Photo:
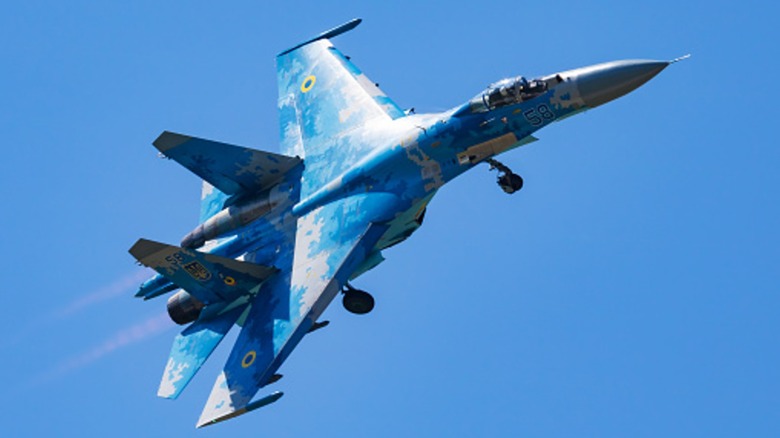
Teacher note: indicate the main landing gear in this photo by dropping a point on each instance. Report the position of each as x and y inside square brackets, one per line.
[509, 181]
[357, 301]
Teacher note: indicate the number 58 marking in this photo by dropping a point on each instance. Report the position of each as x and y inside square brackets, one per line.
[540, 114]
[175, 259]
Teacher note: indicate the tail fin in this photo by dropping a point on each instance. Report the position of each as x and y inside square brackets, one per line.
[211, 201]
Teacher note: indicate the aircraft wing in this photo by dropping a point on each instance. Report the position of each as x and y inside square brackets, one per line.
[331, 242]
[231, 169]
[226, 169]
[323, 100]
[191, 348]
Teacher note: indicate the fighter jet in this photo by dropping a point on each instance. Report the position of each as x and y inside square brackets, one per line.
[282, 235]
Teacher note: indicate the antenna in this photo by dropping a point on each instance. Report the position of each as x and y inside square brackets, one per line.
[682, 58]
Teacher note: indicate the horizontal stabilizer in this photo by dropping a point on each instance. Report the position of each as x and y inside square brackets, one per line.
[190, 350]
[207, 277]
[231, 169]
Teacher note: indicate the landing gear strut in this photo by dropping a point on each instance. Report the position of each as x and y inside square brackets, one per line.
[509, 181]
[357, 301]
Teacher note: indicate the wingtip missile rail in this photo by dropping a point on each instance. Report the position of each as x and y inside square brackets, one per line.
[257, 404]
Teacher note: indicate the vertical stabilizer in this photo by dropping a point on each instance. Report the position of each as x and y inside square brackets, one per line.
[211, 201]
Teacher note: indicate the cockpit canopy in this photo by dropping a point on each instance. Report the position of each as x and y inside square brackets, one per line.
[507, 92]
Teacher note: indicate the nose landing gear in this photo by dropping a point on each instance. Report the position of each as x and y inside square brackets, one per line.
[357, 301]
[509, 181]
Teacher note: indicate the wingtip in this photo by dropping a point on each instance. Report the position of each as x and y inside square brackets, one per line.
[143, 248]
[203, 422]
[169, 140]
[265, 401]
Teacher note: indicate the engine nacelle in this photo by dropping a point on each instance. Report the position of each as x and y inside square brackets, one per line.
[236, 216]
[183, 308]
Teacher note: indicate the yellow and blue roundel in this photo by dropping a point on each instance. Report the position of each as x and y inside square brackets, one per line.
[248, 359]
[308, 83]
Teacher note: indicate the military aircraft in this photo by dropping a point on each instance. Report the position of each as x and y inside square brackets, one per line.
[281, 235]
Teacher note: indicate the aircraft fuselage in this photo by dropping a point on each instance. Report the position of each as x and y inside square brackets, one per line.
[282, 234]
[423, 152]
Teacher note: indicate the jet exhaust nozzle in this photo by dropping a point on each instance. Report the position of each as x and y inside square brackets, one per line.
[183, 308]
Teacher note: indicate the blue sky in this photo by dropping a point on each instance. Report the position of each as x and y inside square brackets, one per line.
[630, 289]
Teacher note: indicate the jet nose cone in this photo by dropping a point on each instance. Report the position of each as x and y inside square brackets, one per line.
[601, 83]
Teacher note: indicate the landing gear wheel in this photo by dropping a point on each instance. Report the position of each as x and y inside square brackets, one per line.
[510, 182]
[357, 301]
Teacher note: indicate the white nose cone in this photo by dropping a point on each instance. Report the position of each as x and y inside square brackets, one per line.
[599, 84]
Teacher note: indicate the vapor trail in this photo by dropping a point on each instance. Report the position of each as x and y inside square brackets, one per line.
[128, 336]
[111, 290]
[119, 287]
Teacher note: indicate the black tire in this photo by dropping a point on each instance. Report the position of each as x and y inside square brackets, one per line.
[511, 182]
[516, 181]
[357, 301]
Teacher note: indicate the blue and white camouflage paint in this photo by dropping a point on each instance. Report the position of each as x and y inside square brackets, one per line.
[282, 234]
